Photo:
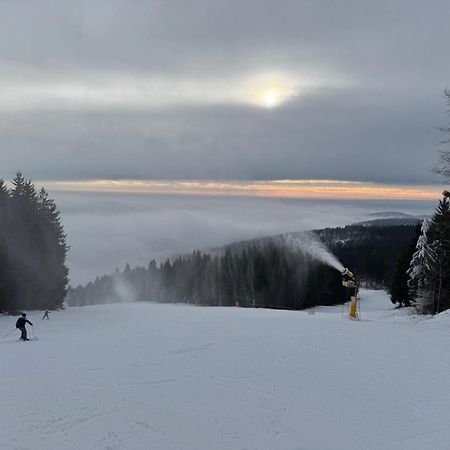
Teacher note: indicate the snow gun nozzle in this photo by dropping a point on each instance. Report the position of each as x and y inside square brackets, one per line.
[348, 279]
[347, 272]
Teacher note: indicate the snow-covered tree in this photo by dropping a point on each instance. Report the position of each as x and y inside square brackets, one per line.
[429, 278]
[422, 264]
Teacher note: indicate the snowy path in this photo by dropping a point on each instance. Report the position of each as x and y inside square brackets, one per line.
[146, 376]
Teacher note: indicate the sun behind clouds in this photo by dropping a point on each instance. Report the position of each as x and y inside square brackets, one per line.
[271, 98]
[273, 89]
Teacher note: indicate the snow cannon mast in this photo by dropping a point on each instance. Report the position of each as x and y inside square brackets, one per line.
[348, 280]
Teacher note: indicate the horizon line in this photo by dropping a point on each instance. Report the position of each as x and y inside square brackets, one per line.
[285, 188]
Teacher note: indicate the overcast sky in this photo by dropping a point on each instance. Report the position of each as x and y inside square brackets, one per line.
[241, 93]
[217, 89]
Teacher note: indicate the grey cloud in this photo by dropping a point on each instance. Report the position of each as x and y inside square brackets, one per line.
[379, 127]
[332, 135]
[372, 37]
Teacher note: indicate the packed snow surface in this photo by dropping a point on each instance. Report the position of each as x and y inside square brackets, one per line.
[152, 376]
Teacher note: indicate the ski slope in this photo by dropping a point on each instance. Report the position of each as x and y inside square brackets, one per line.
[151, 376]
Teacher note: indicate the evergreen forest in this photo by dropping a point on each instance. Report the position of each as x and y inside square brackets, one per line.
[422, 276]
[262, 273]
[33, 248]
[259, 273]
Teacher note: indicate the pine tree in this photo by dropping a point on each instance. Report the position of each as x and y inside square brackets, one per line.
[422, 268]
[440, 233]
[429, 277]
[53, 251]
[401, 290]
[23, 241]
[33, 249]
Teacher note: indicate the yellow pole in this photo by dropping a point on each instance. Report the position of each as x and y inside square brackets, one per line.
[353, 305]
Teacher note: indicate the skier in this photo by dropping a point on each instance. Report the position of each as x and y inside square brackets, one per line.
[20, 324]
[46, 315]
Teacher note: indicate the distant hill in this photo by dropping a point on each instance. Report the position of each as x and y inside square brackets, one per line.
[388, 222]
[391, 215]
[392, 218]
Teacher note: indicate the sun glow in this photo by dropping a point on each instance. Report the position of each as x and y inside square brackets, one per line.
[271, 98]
[271, 90]
[99, 90]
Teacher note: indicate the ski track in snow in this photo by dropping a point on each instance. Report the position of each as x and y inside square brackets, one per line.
[151, 376]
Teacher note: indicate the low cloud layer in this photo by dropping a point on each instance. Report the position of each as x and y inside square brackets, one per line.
[106, 230]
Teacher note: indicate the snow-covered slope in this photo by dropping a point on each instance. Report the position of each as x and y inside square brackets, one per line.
[149, 376]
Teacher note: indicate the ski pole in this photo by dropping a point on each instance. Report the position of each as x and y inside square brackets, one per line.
[6, 335]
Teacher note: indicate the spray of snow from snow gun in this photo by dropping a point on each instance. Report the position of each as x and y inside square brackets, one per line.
[308, 242]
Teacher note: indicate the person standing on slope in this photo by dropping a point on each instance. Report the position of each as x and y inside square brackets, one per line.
[20, 324]
[46, 315]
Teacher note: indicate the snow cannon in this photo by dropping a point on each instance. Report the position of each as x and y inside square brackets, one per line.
[348, 281]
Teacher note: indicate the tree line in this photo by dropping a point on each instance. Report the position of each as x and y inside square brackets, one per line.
[264, 273]
[422, 276]
[33, 248]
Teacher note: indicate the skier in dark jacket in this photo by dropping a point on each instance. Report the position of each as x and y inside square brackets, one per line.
[20, 324]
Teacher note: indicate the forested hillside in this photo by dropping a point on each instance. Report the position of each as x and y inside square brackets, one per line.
[264, 272]
[261, 273]
[33, 248]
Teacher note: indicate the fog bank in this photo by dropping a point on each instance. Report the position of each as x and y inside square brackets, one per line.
[106, 230]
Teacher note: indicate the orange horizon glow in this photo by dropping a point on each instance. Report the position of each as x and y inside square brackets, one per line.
[290, 189]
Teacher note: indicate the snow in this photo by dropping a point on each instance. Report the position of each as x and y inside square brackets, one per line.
[152, 376]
